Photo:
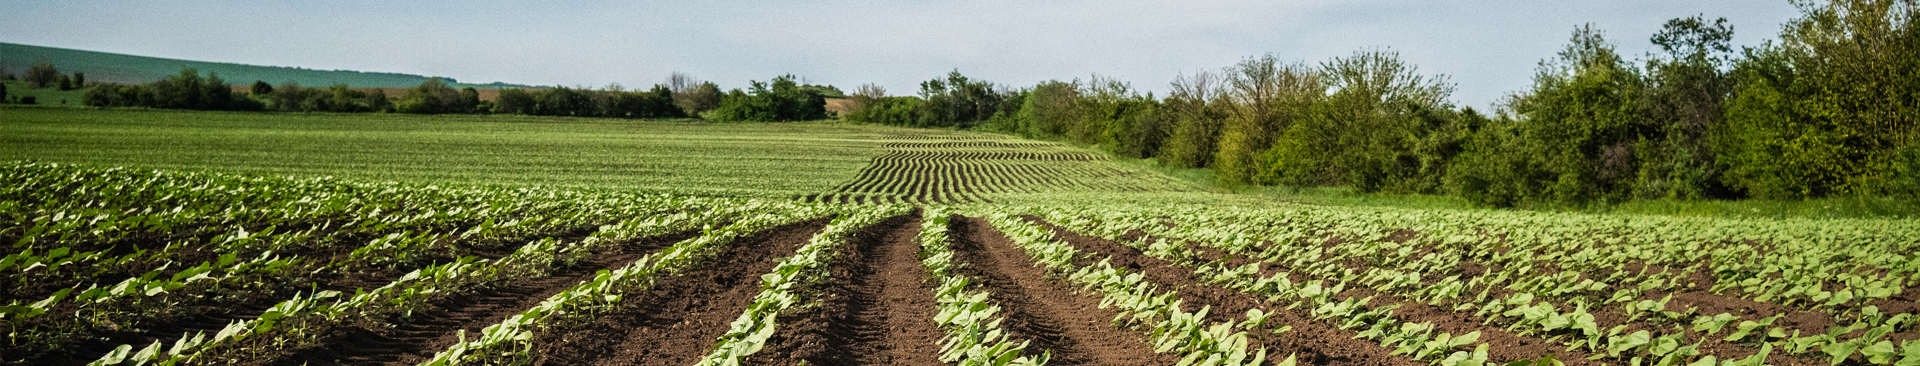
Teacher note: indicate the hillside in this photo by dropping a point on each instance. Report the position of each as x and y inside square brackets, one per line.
[131, 69]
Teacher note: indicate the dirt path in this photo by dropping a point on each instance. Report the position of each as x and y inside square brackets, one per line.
[878, 307]
[437, 328]
[1073, 327]
[1312, 342]
[677, 321]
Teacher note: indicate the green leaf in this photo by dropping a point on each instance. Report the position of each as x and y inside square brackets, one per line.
[1840, 350]
[1880, 353]
[118, 355]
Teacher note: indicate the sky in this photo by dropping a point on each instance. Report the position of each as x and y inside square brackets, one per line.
[1486, 48]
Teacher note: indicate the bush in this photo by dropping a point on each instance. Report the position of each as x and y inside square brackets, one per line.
[41, 74]
[782, 100]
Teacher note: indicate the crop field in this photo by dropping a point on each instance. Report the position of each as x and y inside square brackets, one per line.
[192, 238]
[816, 161]
[128, 266]
[968, 169]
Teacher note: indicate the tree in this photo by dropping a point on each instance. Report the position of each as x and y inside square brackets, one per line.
[41, 74]
[1685, 96]
[1831, 110]
[261, 88]
[469, 98]
[1197, 116]
[701, 98]
[1571, 140]
[514, 101]
[79, 80]
[1264, 97]
[66, 83]
[431, 97]
[377, 100]
[182, 91]
[216, 94]
[866, 95]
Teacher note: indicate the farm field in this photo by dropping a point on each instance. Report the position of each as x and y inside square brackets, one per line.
[191, 238]
[820, 161]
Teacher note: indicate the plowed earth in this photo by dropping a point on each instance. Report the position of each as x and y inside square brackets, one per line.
[680, 318]
[1311, 342]
[434, 329]
[877, 307]
[1071, 326]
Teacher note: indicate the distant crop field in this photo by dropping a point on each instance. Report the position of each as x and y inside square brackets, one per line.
[815, 161]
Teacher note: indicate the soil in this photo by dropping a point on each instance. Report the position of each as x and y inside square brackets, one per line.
[1070, 326]
[877, 310]
[1312, 342]
[435, 329]
[676, 321]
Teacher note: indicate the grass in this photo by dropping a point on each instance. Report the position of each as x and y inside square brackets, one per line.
[50, 96]
[664, 156]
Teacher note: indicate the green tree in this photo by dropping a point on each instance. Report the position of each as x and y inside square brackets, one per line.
[514, 101]
[376, 100]
[1685, 96]
[215, 93]
[261, 88]
[1264, 98]
[1831, 109]
[430, 97]
[1197, 117]
[66, 83]
[41, 74]
[80, 80]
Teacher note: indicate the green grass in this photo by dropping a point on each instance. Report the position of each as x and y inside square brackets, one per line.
[682, 156]
[51, 96]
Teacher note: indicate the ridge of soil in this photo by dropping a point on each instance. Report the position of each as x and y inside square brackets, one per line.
[1312, 342]
[676, 321]
[437, 328]
[1049, 314]
[878, 309]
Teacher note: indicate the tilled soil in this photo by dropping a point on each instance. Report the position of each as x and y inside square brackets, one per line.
[878, 307]
[1311, 342]
[1070, 326]
[676, 321]
[435, 329]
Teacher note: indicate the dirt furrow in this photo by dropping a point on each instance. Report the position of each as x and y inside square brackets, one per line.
[676, 321]
[1070, 326]
[436, 328]
[1312, 342]
[878, 308]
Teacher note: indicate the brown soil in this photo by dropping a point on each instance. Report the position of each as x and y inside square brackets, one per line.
[1311, 342]
[676, 321]
[878, 307]
[435, 329]
[1070, 326]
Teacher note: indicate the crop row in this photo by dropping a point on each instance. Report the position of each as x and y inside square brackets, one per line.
[1571, 293]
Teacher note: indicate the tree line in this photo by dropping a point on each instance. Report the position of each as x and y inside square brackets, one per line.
[1829, 110]
[781, 99]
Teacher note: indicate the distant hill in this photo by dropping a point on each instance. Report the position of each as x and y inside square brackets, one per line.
[130, 69]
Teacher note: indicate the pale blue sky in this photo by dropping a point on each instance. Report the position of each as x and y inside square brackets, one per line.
[1487, 47]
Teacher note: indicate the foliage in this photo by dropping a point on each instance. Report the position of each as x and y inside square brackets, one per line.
[782, 100]
[187, 90]
[1828, 111]
[41, 74]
